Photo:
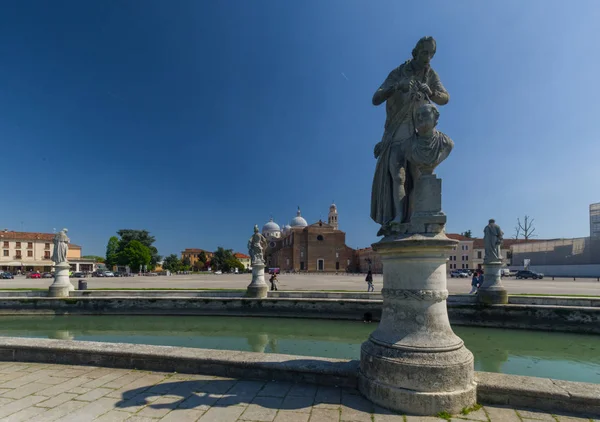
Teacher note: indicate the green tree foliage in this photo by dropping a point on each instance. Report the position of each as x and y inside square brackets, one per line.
[203, 257]
[224, 260]
[172, 263]
[112, 252]
[468, 234]
[142, 236]
[95, 258]
[136, 255]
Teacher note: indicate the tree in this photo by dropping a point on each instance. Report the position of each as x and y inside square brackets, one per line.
[172, 263]
[220, 257]
[526, 229]
[95, 258]
[112, 252]
[467, 234]
[142, 236]
[232, 263]
[136, 255]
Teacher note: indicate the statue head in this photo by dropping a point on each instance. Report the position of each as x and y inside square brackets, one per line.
[492, 221]
[426, 118]
[256, 228]
[424, 51]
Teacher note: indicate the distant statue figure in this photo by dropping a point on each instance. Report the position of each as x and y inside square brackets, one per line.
[492, 239]
[61, 246]
[405, 90]
[256, 247]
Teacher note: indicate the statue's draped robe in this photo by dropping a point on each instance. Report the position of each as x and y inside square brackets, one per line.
[492, 239]
[60, 248]
[399, 126]
[428, 152]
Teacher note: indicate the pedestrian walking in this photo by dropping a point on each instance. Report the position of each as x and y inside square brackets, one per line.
[474, 283]
[369, 280]
[273, 281]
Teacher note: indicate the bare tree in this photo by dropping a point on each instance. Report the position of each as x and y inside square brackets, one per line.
[525, 230]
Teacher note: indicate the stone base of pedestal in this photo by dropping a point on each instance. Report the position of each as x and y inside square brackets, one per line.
[413, 362]
[62, 285]
[257, 288]
[415, 382]
[492, 292]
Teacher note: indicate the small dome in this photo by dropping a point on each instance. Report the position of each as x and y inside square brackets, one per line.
[332, 208]
[298, 221]
[286, 228]
[270, 227]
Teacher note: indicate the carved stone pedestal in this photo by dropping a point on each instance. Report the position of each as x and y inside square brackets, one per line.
[258, 288]
[62, 285]
[492, 292]
[413, 362]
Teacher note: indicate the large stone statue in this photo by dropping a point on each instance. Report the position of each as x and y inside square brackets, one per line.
[61, 247]
[405, 90]
[256, 247]
[492, 239]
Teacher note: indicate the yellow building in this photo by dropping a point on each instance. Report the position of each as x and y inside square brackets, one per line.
[193, 254]
[244, 259]
[30, 251]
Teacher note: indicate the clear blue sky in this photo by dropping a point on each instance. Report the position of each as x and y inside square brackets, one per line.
[196, 120]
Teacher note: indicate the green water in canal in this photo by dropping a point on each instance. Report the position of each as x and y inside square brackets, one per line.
[573, 357]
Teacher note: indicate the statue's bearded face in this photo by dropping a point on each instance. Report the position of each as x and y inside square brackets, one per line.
[425, 53]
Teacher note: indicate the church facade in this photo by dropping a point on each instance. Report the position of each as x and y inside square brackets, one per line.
[317, 247]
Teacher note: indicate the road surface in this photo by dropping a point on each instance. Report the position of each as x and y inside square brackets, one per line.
[559, 286]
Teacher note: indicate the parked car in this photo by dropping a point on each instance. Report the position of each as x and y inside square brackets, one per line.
[525, 274]
[458, 274]
[97, 274]
[109, 274]
[6, 276]
[117, 274]
[127, 274]
[47, 275]
[219, 272]
[507, 273]
[78, 274]
[33, 275]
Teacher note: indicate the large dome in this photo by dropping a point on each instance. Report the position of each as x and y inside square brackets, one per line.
[298, 221]
[271, 227]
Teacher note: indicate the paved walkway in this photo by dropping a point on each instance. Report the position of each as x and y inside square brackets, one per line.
[43, 393]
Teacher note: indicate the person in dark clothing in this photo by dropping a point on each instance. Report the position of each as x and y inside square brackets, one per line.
[273, 281]
[369, 280]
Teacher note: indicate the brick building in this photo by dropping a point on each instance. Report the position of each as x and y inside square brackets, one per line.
[302, 247]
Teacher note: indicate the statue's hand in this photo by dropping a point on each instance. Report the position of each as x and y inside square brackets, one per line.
[377, 150]
[425, 89]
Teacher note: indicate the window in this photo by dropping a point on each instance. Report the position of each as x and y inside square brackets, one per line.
[18, 254]
[18, 245]
[5, 253]
[29, 245]
[466, 247]
[337, 254]
[47, 254]
[301, 254]
[5, 244]
[47, 246]
[348, 262]
[463, 265]
[29, 253]
[319, 237]
[467, 266]
[478, 254]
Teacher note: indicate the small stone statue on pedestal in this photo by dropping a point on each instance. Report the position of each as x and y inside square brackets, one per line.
[492, 291]
[257, 245]
[61, 286]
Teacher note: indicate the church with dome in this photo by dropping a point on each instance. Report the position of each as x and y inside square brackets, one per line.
[299, 246]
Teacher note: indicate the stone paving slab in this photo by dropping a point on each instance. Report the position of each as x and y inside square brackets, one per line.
[47, 393]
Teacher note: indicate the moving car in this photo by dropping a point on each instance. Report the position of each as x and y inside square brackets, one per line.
[525, 274]
[458, 274]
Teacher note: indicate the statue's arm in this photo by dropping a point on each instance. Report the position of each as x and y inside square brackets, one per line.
[387, 88]
[439, 94]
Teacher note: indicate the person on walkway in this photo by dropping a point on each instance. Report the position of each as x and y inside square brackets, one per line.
[273, 281]
[369, 280]
[474, 283]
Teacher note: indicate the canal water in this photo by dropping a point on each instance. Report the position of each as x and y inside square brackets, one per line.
[572, 357]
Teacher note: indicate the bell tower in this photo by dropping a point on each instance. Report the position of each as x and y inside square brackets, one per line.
[332, 218]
